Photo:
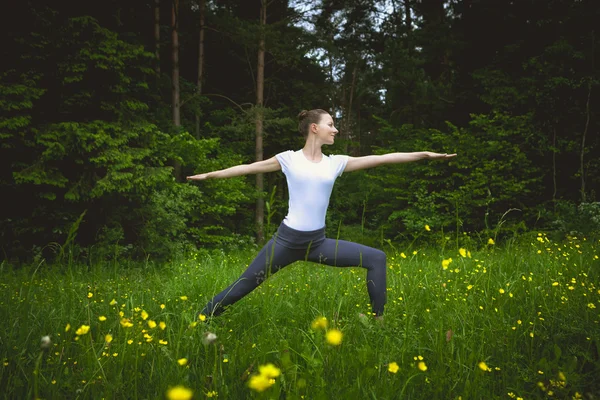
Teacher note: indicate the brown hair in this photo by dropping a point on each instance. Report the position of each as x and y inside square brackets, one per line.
[305, 118]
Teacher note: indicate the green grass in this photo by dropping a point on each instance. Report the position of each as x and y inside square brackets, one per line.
[529, 309]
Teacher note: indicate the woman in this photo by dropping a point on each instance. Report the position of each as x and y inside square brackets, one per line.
[301, 236]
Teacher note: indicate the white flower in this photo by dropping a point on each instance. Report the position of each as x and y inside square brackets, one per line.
[209, 338]
[45, 342]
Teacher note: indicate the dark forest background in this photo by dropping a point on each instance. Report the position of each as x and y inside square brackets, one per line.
[105, 107]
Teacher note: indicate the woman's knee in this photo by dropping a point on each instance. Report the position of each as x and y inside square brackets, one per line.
[377, 259]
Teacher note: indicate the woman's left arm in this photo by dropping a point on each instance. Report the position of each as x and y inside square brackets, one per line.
[357, 163]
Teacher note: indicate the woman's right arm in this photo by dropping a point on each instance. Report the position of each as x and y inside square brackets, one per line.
[259, 167]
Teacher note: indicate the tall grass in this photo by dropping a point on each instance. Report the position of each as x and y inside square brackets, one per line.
[499, 321]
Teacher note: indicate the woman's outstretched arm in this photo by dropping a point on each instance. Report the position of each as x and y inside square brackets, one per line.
[357, 163]
[259, 167]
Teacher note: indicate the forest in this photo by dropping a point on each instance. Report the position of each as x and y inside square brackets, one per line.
[106, 107]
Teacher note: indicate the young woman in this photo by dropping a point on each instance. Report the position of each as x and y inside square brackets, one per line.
[301, 236]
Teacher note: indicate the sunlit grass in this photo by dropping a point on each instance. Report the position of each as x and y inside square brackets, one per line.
[519, 320]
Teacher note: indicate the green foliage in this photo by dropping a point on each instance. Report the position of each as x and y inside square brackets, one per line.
[491, 175]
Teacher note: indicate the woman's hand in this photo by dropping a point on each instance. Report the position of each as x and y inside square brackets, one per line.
[199, 177]
[439, 155]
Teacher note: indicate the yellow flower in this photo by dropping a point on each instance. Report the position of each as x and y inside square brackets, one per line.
[269, 370]
[212, 394]
[130, 341]
[393, 367]
[113, 302]
[260, 383]
[555, 284]
[202, 317]
[334, 337]
[463, 252]
[445, 263]
[162, 306]
[427, 228]
[108, 338]
[501, 291]
[126, 323]
[67, 327]
[82, 330]
[483, 366]
[163, 342]
[402, 255]
[152, 324]
[90, 295]
[182, 361]
[422, 366]
[144, 315]
[491, 241]
[179, 393]
[319, 323]
[184, 298]
[162, 325]
[102, 318]
[591, 305]
[469, 287]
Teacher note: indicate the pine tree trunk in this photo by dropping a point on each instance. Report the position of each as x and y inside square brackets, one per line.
[175, 61]
[260, 83]
[157, 36]
[175, 77]
[200, 63]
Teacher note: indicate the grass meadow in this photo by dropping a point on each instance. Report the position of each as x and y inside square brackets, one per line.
[519, 319]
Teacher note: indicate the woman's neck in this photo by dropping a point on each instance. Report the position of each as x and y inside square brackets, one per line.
[312, 151]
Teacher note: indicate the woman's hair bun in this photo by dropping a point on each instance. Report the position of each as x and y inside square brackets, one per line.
[303, 114]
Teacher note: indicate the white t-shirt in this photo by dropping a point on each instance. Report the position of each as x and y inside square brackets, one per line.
[310, 186]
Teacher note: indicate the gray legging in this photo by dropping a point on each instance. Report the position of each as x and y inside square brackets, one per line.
[289, 245]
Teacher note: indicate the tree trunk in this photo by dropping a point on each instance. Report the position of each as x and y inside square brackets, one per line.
[175, 77]
[200, 64]
[157, 36]
[582, 154]
[348, 117]
[260, 83]
[175, 60]
[407, 15]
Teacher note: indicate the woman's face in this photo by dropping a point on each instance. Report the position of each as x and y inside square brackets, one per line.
[325, 129]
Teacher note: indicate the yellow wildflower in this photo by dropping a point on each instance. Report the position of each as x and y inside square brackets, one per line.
[179, 393]
[82, 330]
[182, 361]
[491, 241]
[334, 337]
[202, 317]
[67, 327]
[422, 366]
[427, 228]
[152, 324]
[108, 338]
[501, 291]
[102, 318]
[463, 252]
[183, 298]
[144, 315]
[126, 323]
[260, 383]
[483, 366]
[162, 325]
[446, 263]
[393, 367]
[163, 342]
[319, 323]
[402, 255]
[269, 370]
[90, 295]
[113, 302]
